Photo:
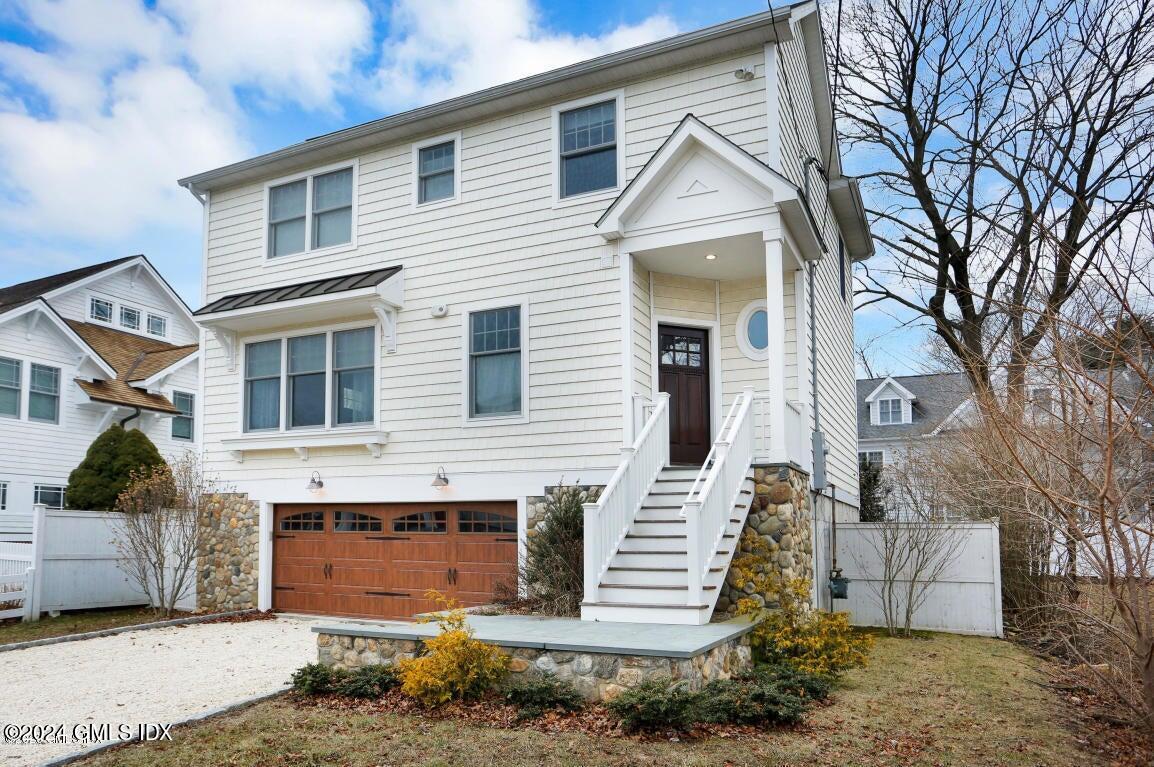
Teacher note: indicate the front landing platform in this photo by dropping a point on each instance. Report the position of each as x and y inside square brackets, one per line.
[601, 659]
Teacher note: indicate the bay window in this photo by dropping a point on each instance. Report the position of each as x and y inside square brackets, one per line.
[327, 379]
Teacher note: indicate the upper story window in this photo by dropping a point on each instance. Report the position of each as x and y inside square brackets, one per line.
[310, 213]
[157, 325]
[327, 379]
[183, 425]
[437, 172]
[10, 376]
[587, 148]
[3, 496]
[44, 394]
[99, 309]
[129, 318]
[889, 411]
[871, 457]
[495, 375]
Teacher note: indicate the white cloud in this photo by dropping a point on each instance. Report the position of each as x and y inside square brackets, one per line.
[442, 48]
[291, 50]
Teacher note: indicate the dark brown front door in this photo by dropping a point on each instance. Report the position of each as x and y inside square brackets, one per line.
[378, 560]
[683, 367]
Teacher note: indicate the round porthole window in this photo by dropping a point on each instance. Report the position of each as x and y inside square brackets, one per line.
[753, 330]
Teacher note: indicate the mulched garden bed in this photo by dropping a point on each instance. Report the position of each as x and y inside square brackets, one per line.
[594, 719]
[256, 615]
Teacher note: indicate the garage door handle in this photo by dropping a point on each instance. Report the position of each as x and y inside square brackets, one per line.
[328, 570]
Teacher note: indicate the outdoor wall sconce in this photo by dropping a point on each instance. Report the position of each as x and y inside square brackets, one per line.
[315, 483]
[440, 480]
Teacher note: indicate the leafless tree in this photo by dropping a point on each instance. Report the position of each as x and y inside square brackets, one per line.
[1080, 463]
[1005, 145]
[159, 535]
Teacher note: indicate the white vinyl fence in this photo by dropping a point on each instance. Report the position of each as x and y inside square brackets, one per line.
[73, 562]
[966, 599]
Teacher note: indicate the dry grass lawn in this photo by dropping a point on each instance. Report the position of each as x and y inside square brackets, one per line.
[13, 631]
[947, 700]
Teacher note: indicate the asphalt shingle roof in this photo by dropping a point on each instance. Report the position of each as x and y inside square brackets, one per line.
[23, 292]
[938, 395]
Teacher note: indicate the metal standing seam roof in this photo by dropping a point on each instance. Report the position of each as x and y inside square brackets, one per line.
[321, 287]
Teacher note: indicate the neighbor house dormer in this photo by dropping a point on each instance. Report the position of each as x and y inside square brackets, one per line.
[891, 404]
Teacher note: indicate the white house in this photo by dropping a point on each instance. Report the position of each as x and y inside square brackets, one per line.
[417, 325]
[79, 351]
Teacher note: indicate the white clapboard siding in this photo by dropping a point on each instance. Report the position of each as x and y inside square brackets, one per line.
[967, 599]
[503, 240]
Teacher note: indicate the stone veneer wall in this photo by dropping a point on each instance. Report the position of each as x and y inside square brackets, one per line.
[536, 508]
[227, 563]
[780, 515]
[596, 675]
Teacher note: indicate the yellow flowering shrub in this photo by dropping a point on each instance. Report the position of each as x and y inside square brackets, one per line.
[795, 634]
[454, 665]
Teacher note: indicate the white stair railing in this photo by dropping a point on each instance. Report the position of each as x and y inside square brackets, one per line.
[711, 500]
[608, 520]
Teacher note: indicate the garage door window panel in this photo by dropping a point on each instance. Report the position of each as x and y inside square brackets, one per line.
[304, 522]
[422, 522]
[355, 522]
[485, 522]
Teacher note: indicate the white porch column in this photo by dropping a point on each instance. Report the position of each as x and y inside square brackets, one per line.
[775, 312]
[628, 415]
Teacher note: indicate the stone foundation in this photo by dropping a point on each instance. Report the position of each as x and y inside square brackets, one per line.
[536, 507]
[596, 675]
[226, 565]
[780, 516]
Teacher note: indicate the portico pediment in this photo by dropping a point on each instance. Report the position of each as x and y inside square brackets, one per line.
[699, 178]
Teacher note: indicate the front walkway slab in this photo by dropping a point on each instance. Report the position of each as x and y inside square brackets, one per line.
[159, 676]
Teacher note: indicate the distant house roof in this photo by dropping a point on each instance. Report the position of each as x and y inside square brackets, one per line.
[23, 292]
[310, 289]
[937, 397]
[134, 358]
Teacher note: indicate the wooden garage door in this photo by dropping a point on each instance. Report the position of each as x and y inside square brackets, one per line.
[378, 560]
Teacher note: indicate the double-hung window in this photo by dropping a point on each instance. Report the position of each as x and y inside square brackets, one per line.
[495, 362]
[3, 496]
[262, 374]
[183, 425]
[872, 457]
[44, 394]
[51, 496]
[310, 213]
[353, 376]
[10, 375]
[889, 411]
[129, 318]
[306, 381]
[436, 172]
[99, 309]
[327, 380]
[588, 147]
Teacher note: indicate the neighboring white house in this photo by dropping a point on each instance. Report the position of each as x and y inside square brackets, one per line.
[900, 414]
[79, 351]
[417, 325]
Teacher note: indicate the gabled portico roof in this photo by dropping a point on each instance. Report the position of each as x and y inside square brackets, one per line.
[690, 135]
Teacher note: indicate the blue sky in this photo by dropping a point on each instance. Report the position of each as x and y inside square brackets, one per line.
[105, 103]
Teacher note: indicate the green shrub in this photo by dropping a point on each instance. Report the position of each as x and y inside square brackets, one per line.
[766, 695]
[534, 696]
[656, 704]
[553, 569]
[318, 679]
[367, 681]
[109, 464]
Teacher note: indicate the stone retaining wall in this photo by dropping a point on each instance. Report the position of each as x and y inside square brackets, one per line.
[537, 508]
[226, 566]
[596, 675]
[781, 517]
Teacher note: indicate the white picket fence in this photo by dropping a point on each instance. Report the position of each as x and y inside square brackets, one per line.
[966, 599]
[72, 563]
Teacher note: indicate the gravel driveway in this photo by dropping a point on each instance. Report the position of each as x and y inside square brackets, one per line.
[155, 676]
